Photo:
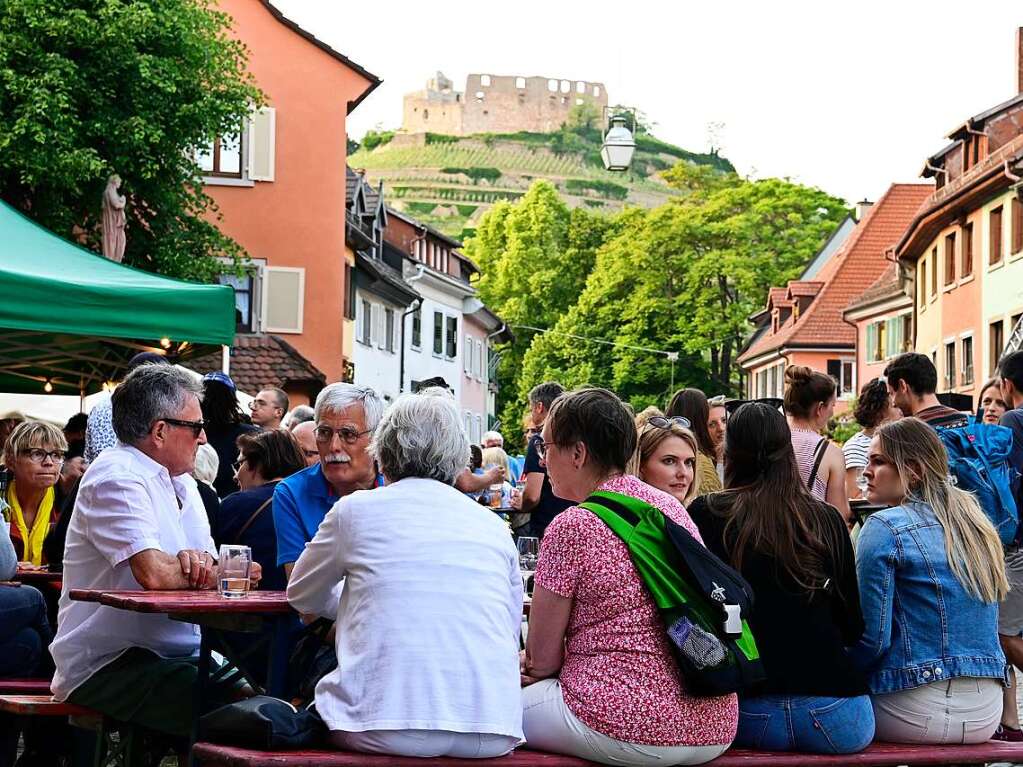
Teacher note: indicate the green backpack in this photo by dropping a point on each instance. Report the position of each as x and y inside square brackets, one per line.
[703, 601]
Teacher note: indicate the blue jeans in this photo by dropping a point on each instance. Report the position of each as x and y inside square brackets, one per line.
[24, 637]
[814, 725]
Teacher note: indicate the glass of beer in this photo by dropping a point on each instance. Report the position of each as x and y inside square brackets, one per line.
[233, 574]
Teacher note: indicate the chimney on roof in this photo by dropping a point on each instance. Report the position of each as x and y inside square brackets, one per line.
[861, 209]
[1019, 59]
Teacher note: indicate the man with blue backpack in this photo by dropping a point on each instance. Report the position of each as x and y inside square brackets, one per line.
[979, 461]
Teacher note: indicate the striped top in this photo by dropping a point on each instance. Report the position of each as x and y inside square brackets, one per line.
[804, 443]
[855, 451]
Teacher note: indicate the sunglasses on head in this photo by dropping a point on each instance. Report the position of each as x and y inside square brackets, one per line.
[662, 422]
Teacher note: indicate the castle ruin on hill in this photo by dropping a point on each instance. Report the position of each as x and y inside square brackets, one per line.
[497, 104]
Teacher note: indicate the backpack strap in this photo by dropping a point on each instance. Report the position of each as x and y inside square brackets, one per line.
[250, 520]
[818, 456]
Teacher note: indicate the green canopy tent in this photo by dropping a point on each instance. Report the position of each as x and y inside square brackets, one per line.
[70, 319]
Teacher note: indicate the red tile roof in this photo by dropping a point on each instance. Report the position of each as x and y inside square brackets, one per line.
[885, 286]
[260, 360]
[854, 268]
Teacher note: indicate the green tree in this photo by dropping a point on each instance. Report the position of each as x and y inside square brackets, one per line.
[133, 87]
[683, 278]
[534, 257]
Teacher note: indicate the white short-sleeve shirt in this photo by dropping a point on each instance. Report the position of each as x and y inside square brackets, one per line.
[428, 620]
[127, 503]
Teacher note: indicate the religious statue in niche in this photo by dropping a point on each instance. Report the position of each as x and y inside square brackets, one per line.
[113, 220]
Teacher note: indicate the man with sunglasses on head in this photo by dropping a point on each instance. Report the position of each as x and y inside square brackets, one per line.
[139, 523]
[346, 416]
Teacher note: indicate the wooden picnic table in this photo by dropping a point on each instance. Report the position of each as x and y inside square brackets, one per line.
[34, 575]
[254, 613]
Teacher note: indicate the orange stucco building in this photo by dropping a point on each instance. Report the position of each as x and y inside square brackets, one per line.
[280, 187]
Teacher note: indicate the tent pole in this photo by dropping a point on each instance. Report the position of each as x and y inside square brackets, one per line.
[225, 359]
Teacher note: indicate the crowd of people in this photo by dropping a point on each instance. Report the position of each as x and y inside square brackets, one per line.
[895, 626]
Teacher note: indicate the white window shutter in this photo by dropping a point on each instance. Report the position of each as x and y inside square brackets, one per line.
[283, 299]
[262, 144]
[467, 355]
[376, 336]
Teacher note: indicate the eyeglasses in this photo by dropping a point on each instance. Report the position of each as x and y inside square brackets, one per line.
[195, 426]
[258, 403]
[348, 435]
[38, 455]
[665, 423]
[542, 448]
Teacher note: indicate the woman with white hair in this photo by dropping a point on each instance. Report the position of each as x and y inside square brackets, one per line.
[428, 621]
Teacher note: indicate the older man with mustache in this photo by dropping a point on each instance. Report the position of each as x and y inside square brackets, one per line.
[345, 416]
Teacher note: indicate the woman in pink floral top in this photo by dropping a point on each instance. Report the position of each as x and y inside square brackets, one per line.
[601, 682]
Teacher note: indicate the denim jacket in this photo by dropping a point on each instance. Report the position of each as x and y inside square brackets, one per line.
[922, 626]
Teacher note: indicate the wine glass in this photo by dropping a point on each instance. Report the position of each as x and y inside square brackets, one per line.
[529, 551]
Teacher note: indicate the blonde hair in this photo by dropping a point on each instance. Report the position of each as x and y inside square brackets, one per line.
[972, 546]
[497, 456]
[42, 434]
[649, 438]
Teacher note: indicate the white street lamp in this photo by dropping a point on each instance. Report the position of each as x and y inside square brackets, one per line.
[619, 144]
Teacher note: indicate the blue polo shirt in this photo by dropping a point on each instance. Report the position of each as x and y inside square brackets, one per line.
[300, 503]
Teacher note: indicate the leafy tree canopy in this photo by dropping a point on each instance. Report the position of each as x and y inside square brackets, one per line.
[94, 87]
[616, 294]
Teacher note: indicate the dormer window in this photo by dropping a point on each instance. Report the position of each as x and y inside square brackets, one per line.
[774, 320]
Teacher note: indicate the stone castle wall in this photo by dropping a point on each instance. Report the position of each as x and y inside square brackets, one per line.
[498, 104]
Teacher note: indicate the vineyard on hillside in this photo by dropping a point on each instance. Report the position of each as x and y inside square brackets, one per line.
[449, 182]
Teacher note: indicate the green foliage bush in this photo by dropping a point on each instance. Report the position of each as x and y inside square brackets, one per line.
[605, 188]
[476, 173]
[440, 138]
[373, 139]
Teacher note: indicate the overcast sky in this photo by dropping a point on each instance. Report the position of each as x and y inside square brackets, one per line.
[845, 96]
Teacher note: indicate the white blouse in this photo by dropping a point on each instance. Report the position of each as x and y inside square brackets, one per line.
[428, 620]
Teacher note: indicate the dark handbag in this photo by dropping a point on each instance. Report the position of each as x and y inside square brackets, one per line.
[264, 723]
[311, 660]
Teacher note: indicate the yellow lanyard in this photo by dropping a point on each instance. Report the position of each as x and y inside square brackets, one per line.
[32, 540]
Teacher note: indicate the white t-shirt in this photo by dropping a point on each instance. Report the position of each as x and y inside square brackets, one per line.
[428, 620]
[127, 503]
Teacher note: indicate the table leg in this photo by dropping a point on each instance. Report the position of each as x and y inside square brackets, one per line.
[277, 672]
[200, 694]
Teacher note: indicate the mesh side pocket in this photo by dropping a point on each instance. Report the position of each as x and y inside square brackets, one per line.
[698, 647]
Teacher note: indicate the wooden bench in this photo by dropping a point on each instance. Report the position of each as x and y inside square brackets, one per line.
[876, 755]
[41, 705]
[25, 686]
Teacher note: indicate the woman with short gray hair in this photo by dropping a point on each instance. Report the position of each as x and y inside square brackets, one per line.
[434, 574]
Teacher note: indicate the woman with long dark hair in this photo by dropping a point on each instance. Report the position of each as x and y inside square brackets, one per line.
[692, 405]
[794, 550]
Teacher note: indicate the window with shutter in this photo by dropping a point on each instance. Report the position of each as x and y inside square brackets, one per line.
[452, 338]
[479, 359]
[389, 329]
[283, 299]
[366, 323]
[994, 222]
[349, 292]
[417, 328]
[1017, 225]
[438, 333]
[467, 353]
[262, 144]
[967, 361]
[967, 251]
[950, 258]
[873, 352]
